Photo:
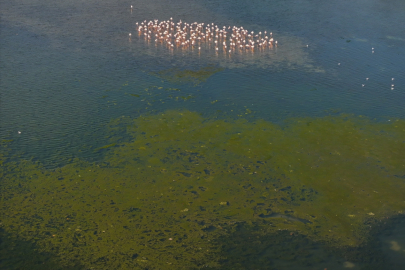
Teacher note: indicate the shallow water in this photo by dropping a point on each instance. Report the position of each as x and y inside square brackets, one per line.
[73, 83]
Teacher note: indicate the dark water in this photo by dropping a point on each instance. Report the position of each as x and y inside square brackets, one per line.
[67, 68]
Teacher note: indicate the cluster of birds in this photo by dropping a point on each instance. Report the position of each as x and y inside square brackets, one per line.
[202, 36]
[392, 85]
[197, 35]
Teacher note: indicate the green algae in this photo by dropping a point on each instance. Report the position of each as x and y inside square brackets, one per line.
[196, 77]
[161, 199]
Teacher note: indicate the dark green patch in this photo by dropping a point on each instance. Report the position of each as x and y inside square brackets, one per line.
[176, 75]
[105, 146]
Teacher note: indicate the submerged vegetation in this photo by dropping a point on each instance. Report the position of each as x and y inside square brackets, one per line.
[162, 199]
[197, 77]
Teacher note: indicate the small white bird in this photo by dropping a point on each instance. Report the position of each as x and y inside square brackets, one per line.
[19, 132]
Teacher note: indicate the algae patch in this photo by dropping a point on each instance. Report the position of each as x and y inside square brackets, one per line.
[160, 199]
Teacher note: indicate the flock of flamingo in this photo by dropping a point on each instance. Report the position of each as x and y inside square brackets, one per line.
[200, 36]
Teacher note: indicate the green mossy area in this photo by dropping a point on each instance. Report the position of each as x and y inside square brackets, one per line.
[195, 77]
[162, 199]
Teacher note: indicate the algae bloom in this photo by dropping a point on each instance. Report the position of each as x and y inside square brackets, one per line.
[160, 199]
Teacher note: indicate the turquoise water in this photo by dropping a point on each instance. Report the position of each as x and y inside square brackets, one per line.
[67, 68]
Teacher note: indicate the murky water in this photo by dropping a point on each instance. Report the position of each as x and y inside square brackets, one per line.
[265, 131]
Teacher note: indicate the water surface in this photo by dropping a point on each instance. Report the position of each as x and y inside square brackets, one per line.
[78, 95]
